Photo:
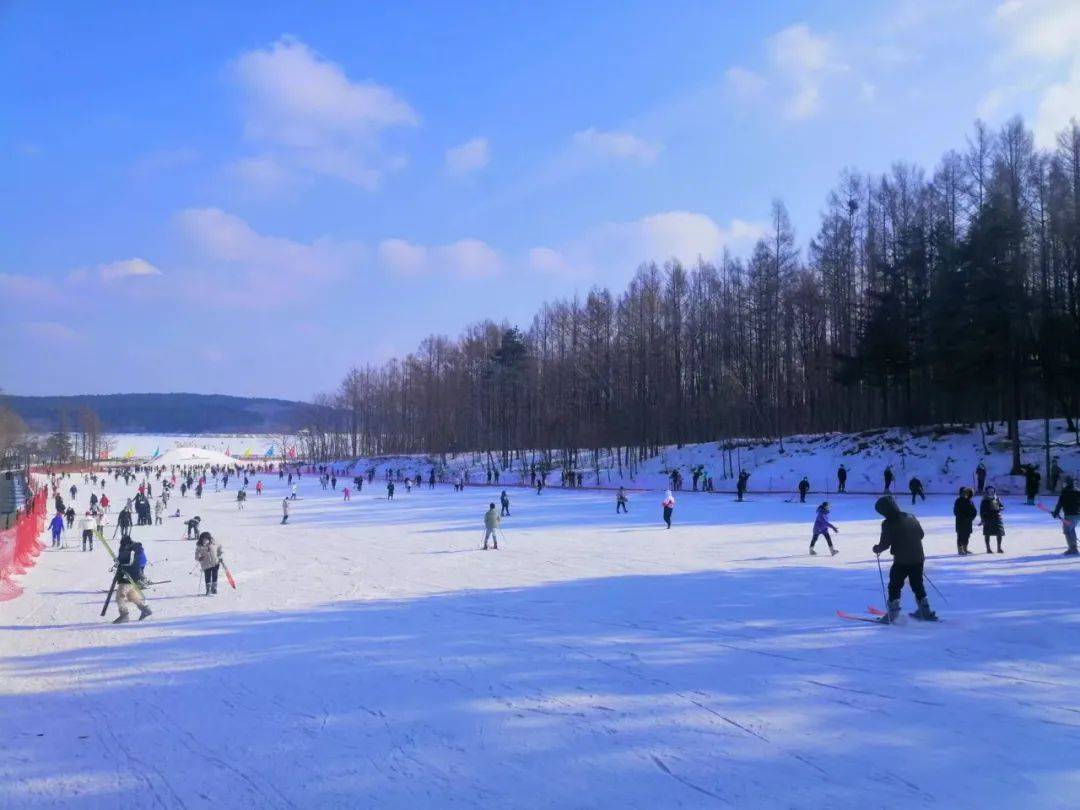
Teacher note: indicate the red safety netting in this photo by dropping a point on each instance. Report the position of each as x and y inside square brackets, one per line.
[21, 544]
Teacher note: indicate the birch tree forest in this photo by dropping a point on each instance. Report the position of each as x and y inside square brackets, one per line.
[926, 296]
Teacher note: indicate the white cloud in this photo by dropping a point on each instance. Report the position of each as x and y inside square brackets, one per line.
[127, 268]
[27, 288]
[1060, 103]
[466, 258]
[800, 65]
[470, 156]
[244, 265]
[616, 249]
[617, 146]
[314, 117]
[1041, 29]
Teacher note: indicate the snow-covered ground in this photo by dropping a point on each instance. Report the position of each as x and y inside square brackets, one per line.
[374, 657]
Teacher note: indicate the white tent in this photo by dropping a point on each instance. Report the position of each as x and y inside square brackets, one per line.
[192, 457]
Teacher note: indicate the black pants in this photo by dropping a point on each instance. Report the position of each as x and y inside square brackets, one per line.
[962, 539]
[210, 575]
[667, 515]
[620, 506]
[505, 509]
[88, 537]
[917, 494]
[912, 572]
[841, 486]
[802, 497]
[987, 537]
[813, 539]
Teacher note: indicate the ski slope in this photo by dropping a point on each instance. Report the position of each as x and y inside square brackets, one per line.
[374, 657]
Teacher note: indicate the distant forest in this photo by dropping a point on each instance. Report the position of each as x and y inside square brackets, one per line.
[926, 296]
[162, 413]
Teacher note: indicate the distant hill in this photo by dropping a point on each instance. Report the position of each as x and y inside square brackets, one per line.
[165, 413]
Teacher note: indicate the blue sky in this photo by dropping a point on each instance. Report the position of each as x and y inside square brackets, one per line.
[250, 199]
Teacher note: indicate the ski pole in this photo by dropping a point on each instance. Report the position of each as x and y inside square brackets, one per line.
[935, 587]
[881, 576]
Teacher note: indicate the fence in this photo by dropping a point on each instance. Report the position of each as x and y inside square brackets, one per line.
[20, 545]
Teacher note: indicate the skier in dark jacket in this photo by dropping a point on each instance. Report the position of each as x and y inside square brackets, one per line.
[740, 485]
[193, 527]
[980, 478]
[993, 525]
[964, 511]
[841, 479]
[504, 501]
[804, 487]
[916, 488]
[1032, 479]
[889, 478]
[902, 534]
[124, 522]
[1068, 510]
[127, 575]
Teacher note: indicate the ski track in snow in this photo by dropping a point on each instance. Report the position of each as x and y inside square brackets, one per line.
[374, 657]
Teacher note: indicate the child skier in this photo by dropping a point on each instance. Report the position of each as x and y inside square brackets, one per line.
[993, 525]
[902, 534]
[56, 526]
[821, 527]
[209, 555]
[964, 511]
[345, 493]
[669, 507]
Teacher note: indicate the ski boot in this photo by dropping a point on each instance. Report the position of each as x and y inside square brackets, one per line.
[834, 551]
[207, 589]
[812, 552]
[924, 613]
[123, 617]
[213, 589]
[893, 614]
[144, 611]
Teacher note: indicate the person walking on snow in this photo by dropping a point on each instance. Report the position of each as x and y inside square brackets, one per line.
[127, 572]
[821, 527]
[1032, 479]
[993, 525]
[915, 487]
[241, 496]
[620, 502]
[258, 487]
[504, 501]
[841, 479]
[56, 526]
[491, 525]
[964, 511]
[345, 493]
[159, 511]
[740, 485]
[1055, 474]
[804, 487]
[980, 478]
[902, 535]
[87, 526]
[669, 507]
[889, 477]
[208, 553]
[284, 511]
[389, 490]
[1068, 510]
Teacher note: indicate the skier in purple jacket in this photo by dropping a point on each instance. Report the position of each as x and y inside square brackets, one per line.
[821, 527]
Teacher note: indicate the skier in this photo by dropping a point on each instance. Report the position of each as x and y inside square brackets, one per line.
[124, 521]
[902, 534]
[284, 511]
[980, 478]
[241, 496]
[127, 573]
[993, 525]
[345, 493]
[1032, 478]
[56, 526]
[1055, 474]
[70, 515]
[964, 510]
[740, 485]
[889, 477]
[104, 502]
[669, 507]
[192, 527]
[504, 501]
[1068, 508]
[389, 490]
[841, 479]
[620, 502]
[209, 554]
[87, 525]
[258, 487]
[804, 487]
[491, 524]
[292, 494]
[159, 511]
[916, 488]
[821, 527]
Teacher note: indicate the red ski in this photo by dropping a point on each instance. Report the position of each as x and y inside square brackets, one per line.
[852, 618]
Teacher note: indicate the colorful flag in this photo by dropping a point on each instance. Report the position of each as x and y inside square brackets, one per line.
[157, 452]
[247, 453]
[292, 452]
[130, 453]
[270, 452]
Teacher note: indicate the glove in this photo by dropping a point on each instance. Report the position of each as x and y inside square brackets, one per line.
[877, 549]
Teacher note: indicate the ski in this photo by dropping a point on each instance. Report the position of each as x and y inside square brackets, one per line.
[875, 611]
[228, 575]
[853, 618]
[108, 596]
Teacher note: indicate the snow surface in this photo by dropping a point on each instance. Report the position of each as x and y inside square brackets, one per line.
[374, 657]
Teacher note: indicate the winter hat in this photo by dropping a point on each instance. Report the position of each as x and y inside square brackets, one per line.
[886, 507]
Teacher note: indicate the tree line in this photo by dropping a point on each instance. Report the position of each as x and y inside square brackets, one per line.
[942, 296]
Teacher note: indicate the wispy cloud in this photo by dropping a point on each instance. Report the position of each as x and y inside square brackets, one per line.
[309, 117]
[468, 157]
[465, 258]
[616, 146]
[127, 268]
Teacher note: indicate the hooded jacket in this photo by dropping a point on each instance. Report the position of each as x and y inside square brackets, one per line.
[900, 533]
[965, 512]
